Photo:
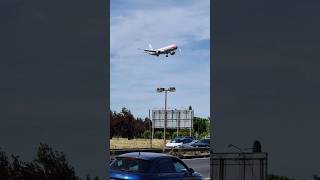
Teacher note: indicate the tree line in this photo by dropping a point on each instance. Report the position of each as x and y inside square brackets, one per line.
[277, 177]
[48, 164]
[125, 125]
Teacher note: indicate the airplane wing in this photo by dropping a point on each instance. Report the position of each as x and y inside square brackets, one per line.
[147, 50]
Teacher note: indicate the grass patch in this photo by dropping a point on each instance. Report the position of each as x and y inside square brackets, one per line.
[124, 143]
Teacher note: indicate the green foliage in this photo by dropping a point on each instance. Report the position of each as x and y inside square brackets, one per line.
[125, 125]
[173, 134]
[168, 135]
[147, 134]
[54, 163]
[203, 135]
[47, 165]
[158, 135]
[201, 127]
[182, 132]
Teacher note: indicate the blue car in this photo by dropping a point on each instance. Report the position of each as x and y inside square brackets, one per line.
[202, 143]
[150, 166]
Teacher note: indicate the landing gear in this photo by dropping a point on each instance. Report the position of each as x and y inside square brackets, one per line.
[166, 55]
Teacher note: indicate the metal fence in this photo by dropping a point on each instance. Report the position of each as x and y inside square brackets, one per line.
[239, 166]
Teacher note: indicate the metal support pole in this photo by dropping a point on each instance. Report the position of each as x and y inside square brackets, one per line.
[152, 133]
[261, 170]
[150, 129]
[178, 121]
[221, 169]
[165, 121]
[244, 169]
[191, 125]
[266, 167]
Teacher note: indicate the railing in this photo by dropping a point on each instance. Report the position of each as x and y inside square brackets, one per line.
[179, 152]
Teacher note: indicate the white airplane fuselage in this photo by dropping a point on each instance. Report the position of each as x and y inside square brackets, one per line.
[164, 50]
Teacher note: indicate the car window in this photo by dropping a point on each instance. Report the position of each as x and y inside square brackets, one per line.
[176, 140]
[179, 167]
[207, 141]
[187, 140]
[130, 164]
[165, 166]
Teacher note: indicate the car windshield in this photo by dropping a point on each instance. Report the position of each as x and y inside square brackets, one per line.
[177, 140]
[187, 140]
[205, 141]
[130, 164]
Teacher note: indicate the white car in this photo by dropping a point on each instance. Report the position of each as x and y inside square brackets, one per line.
[177, 142]
[173, 144]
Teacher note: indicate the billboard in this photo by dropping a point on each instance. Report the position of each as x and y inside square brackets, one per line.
[176, 118]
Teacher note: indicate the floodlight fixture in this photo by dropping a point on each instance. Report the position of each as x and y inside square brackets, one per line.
[160, 89]
[172, 89]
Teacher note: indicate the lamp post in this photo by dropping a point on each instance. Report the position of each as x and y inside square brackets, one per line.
[159, 90]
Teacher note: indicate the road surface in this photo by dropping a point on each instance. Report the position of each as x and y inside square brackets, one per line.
[201, 165]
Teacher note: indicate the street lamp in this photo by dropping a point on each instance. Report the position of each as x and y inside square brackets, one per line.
[159, 90]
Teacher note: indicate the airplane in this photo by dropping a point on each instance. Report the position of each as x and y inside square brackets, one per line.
[164, 50]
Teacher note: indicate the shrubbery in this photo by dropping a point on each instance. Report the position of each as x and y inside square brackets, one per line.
[125, 125]
[48, 164]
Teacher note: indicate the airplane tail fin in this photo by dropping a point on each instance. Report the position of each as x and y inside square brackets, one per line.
[150, 47]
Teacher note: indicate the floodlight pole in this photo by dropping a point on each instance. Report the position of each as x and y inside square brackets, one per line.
[165, 120]
[171, 89]
[150, 130]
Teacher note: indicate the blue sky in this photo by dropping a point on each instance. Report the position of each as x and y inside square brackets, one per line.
[134, 76]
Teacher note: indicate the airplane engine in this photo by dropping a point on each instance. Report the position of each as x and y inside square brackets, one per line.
[158, 52]
[172, 53]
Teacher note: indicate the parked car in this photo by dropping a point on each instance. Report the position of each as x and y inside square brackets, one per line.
[189, 145]
[202, 143]
[150, 166]
[178, 141]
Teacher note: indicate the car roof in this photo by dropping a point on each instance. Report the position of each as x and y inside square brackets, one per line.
[183, 137]
[145, 155]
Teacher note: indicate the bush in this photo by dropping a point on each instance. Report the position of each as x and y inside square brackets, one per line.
[168, 135]
[158, 135]
[174, 134]
[147, 134]
[203, 135]
[48, 164]
[184, 132]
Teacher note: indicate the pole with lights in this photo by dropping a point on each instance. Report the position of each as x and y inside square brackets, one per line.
[159, 90]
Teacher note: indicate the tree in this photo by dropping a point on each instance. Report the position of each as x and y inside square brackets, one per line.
[276, 177]
[147, 134]
[201, 126]
[158, 135]
[125, 125]
[54, 163]
[47, 165]
[256, 146]
[316, 177]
